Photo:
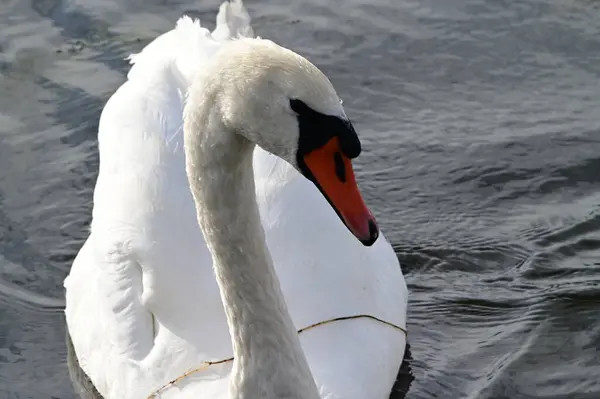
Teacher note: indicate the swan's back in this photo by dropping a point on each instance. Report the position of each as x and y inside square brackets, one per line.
[135, 288]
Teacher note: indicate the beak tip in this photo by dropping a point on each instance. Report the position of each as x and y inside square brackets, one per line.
[373, 234]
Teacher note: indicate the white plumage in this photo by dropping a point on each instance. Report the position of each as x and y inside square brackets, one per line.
[143, 306]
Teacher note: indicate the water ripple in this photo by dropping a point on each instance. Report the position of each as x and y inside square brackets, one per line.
[481, 140]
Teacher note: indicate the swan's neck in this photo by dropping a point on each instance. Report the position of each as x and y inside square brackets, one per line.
[269, 362]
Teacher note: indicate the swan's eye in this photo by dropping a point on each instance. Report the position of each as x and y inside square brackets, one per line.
[299, 107]
[317, 129]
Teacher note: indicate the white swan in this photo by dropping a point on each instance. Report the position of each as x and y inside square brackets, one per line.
[143, 306]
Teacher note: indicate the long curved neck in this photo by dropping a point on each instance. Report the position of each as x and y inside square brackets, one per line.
[269, 362]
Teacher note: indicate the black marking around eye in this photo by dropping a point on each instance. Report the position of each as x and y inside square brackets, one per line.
[316, 129]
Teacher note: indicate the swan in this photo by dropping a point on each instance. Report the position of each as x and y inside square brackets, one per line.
[217, 144]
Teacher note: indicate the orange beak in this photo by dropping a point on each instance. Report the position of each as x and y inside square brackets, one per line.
[332, 173]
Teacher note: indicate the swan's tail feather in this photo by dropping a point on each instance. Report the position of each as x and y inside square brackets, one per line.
[183, 46]
[189, 44]
[233, 21]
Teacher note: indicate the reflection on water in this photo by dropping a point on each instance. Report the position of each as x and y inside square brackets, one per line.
[479, 122]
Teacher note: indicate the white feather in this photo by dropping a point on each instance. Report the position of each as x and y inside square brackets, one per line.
[143, 305]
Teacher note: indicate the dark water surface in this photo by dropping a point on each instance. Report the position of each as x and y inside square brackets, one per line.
[481, 126]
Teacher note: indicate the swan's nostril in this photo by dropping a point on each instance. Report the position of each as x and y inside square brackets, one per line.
[340, 168]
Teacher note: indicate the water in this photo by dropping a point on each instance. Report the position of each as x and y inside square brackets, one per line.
[482, 139]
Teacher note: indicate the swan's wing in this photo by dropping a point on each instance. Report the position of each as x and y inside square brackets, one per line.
[232, 21]
[105, 316]
[145, 268]
[111, 325]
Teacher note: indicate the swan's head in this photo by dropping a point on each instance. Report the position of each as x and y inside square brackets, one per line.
[283, 103]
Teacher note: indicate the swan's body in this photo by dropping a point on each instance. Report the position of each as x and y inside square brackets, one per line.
[143, 306]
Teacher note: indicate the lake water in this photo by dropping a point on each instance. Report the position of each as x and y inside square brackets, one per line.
[480, 121]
